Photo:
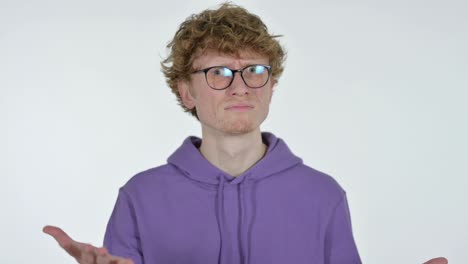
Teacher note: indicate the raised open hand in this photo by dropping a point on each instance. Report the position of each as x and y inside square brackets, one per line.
[83, 253]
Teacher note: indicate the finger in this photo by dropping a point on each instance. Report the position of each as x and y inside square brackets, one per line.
[103, 259]
[124, 261]
[103, 256]
[108, 259]
[83, 252]
[78, 249]
[101, 251]
[88, 254]
[127, 261]
[59, 235]
[439, 260]
[119, 260]
[71, 246]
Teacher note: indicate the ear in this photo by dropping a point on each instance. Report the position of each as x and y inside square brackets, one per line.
[185, 95]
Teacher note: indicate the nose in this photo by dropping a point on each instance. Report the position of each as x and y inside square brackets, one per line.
[238, 86]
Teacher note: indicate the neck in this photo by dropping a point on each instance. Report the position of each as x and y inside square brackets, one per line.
[233, 154]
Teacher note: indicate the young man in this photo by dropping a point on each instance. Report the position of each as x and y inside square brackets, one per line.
[236, 195]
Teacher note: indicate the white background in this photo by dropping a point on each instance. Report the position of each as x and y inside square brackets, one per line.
[374, 93]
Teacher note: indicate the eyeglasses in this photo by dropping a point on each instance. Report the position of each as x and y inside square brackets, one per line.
[220, 77]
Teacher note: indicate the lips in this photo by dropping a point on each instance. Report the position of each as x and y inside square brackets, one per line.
[239, 106]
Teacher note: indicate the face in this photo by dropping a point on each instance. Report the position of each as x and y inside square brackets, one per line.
[236, 110]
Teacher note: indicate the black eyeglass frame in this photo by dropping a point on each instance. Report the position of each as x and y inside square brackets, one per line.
[241, 71]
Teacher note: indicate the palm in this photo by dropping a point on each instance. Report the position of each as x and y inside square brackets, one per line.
[83, 253]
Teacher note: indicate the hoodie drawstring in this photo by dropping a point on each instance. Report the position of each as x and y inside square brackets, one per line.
[225, 250]
[243, 241]
[221, 220]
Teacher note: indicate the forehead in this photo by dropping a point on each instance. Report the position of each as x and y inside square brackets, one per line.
[216, 58]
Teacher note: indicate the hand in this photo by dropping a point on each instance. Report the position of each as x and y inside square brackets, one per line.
[437, 261]
[83, 253]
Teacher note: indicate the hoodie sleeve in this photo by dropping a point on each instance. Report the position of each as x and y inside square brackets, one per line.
[340, 247]
[122, 237]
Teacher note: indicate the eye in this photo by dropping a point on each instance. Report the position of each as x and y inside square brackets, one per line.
[256, 69]
[222, 72]
[217, 71]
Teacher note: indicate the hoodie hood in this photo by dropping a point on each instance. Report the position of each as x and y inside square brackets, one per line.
[191, 162]
[188, 159]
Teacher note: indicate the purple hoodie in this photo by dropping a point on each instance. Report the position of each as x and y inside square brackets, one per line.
[190, 212]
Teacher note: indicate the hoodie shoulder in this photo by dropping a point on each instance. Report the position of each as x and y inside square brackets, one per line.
[321, 183]
[323, 177]
[150, 178]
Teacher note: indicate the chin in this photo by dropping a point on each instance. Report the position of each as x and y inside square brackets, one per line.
[238, 127]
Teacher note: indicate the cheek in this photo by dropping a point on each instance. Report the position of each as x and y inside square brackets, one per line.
[208, 104]
[264, 96]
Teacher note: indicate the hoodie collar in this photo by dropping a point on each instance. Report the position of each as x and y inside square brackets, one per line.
[192, 163]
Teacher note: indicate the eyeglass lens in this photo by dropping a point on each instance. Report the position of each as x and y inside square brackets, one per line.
[254, 76]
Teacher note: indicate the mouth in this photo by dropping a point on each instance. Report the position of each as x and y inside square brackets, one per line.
[239, 107]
